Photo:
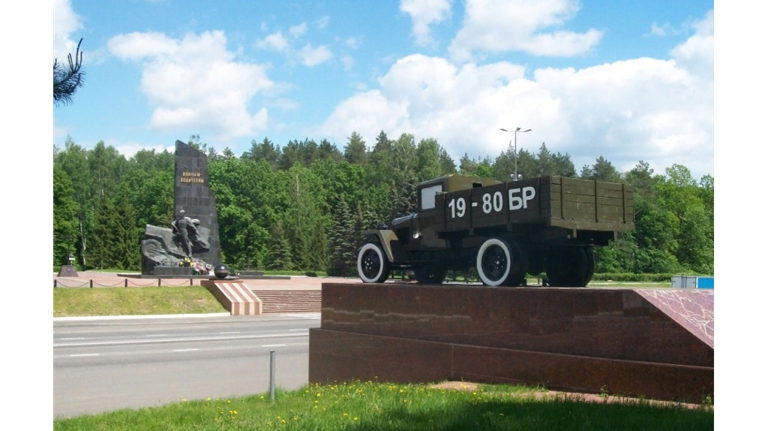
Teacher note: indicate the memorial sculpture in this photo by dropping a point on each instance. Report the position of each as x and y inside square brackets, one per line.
[191, 244]
[175, 246]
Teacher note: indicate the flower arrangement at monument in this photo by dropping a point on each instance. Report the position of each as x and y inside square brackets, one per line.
[198, 266]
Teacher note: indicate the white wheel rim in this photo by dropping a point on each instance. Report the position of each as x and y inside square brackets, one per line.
[360, 269]
[479, 264]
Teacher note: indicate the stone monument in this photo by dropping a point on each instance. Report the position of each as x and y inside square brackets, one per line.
[68, 268]
[191, 244]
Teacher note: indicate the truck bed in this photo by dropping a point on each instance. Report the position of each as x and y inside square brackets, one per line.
[551, 201]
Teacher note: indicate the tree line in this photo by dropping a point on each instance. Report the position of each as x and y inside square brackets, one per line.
[303, 206]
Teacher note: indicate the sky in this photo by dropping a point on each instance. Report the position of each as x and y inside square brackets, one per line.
[628, 81]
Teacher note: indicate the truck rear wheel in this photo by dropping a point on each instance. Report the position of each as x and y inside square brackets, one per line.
[500, 263]
[570, 266]
[432, 274]
[372, 264]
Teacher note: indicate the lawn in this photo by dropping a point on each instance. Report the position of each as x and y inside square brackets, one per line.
[388, 406]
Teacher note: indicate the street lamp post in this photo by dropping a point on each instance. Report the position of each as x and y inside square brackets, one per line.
[515, 132]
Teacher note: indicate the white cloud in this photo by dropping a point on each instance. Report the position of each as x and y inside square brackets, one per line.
[313, 56]
[697, 54]
[298, 30]
[129, 149]
[195, 83]
[348, 62]
[352, 43]
[273, 42]
[706, 26]
[323, 22]
[59, 133]
[134, 46]
[663, 30]
[423, 14]
[518, 25]
[65, 23]
[657, 110]
[307, 55]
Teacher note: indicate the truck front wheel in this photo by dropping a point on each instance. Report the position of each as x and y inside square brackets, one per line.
[372, 264]
[499, 262]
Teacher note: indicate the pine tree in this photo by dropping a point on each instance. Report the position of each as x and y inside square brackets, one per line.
[355, 150]
[340, 245]
[279, 249]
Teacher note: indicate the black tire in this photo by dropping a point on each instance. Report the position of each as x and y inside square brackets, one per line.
[432, 274]
[570, 266]
[500, 263]
[372, 263]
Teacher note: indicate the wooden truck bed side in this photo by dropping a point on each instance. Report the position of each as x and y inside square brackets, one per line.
[550, 201]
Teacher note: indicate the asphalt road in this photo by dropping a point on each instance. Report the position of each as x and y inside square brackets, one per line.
[107, 364]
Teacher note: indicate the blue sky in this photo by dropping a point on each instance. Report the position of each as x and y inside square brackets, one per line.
[628, 81]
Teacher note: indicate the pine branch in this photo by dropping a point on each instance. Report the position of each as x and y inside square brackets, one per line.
[67, 79]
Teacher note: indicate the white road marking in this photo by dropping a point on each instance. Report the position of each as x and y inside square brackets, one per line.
[157, 335]
[185, 350]
[231, 332]
[83, 354]
[273, 345]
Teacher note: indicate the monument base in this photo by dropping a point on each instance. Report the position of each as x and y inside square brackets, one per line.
[172, 271]
[656, 343]
[68, 271]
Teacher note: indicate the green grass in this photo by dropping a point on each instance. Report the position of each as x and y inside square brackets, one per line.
[384, 406]
[134, 301]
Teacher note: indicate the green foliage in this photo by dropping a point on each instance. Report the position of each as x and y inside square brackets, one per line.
[68, 78]
[355, 151]
[65, 220]
[279, 249]
[280, 208]
[602, 170]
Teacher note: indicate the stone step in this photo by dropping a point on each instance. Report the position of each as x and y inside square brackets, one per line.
[289, 301]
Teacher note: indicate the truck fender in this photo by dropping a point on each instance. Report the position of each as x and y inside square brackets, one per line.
[385, 237]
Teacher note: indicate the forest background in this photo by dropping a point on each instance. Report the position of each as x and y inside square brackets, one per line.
[302, 206]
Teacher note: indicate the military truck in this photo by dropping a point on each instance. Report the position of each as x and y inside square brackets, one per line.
[504, 230]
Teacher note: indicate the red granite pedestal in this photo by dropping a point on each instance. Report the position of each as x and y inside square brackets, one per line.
[656, 343]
